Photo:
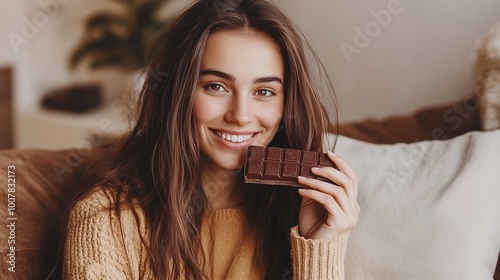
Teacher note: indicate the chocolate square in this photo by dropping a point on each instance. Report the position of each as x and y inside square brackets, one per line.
[310, 157]
[255, 168]
[292, 155]
[324, 160]
[256, 152]
[274, 153]
[305, 170]
[273, 169]
[290, 170]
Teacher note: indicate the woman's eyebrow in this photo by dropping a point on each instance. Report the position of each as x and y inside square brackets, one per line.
[231, 78]
[218, 73]
[267, 80]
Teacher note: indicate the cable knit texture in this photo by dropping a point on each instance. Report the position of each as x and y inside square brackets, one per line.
[96, 248]
[318, 258]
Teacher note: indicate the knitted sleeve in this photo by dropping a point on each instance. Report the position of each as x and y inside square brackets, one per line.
[95, 247]
[318, 258]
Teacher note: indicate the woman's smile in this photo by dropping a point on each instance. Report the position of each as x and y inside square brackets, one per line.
[234, 137]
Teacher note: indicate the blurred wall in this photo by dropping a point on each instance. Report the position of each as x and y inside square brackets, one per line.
[398, 55]
[386, 56]
[10, 13]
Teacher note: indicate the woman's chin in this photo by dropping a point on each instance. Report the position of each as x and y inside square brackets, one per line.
[229, 163]
[235, 166]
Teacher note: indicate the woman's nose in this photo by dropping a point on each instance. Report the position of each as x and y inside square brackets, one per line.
[239, 112]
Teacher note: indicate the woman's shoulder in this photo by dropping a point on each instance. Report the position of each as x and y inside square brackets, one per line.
[100, 202]
[100, 242]
[97, 200]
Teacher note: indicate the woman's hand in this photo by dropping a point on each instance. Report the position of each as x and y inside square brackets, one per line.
[328, 210]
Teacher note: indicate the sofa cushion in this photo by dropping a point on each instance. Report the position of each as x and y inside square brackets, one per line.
[44, 180]
[430, 210]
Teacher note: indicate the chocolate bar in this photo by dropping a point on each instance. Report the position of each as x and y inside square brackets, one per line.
[281, 166]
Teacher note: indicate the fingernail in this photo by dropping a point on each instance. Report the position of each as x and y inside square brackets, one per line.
[315, 168]
[301, 178]
[302, 190]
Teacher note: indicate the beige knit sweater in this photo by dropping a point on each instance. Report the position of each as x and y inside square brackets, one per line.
[95, 248]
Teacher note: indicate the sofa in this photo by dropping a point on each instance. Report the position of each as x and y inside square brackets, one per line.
[45, 181]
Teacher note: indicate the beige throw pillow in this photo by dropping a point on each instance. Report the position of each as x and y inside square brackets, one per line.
[430, 210]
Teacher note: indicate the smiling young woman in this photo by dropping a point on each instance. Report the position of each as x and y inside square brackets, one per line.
[171, 204]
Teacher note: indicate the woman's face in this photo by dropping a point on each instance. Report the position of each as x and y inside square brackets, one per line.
[239, 101]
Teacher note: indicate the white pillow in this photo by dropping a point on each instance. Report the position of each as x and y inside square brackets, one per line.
[429, 210]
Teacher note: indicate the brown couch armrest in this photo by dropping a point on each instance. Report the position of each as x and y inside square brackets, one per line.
[45, 180]
[431, 123]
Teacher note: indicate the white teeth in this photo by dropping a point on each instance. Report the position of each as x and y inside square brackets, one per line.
[234, 138]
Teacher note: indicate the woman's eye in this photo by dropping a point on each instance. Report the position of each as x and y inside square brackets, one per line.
[265, 93]
[215, 87]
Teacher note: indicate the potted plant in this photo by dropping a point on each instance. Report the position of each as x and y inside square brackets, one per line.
[112, 38]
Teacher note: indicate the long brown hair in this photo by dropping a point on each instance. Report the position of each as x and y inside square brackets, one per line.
[158, 163]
